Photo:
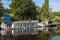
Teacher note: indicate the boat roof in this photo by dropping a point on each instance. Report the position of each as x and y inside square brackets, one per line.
[6, 18]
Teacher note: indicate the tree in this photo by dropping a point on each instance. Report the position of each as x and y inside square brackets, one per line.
[1, 9]
[45, 9]
[38, 10]
[24, 8]
[7, 10]
[56, 14]
[50, 13]
[57, 18]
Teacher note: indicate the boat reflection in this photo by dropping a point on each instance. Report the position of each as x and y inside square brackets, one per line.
[6, 32]
[18, 31]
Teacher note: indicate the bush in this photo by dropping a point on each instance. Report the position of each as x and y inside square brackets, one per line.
[57, 18]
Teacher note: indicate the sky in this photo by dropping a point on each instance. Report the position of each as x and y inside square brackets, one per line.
[54, 4]
[56, 38]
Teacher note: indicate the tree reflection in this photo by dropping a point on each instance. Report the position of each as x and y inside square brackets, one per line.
[39, 36]
[42, 35]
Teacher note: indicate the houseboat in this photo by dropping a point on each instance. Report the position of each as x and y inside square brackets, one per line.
[18, 28]
[24, 27]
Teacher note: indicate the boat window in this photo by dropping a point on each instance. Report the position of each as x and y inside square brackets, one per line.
[15, 25]
[30, 24]
[27, 24]
[19, 25]
[24, 24]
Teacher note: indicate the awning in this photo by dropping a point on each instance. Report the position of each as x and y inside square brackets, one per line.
[7, 18]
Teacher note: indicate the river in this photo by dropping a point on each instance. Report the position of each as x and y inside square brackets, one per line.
[18, 35]
[56, 37]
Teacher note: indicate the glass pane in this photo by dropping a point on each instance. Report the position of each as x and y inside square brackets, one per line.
[27, 24]
[24, 24]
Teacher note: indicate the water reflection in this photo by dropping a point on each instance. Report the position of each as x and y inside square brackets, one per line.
[18, 31]
[7, 34]
[16, 34]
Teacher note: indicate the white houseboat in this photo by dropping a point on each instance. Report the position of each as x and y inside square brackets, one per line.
[24, 27]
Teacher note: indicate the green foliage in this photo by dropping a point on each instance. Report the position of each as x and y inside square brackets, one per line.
[56, 14]
[57, 18]
[57, 31]
[1, 9]
[45, 9]
[43, 35]
[6, 10]
[38, 10]
[24, 8]
[1, 19]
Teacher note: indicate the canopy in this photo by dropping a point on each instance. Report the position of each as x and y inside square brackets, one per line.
[7, 18]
